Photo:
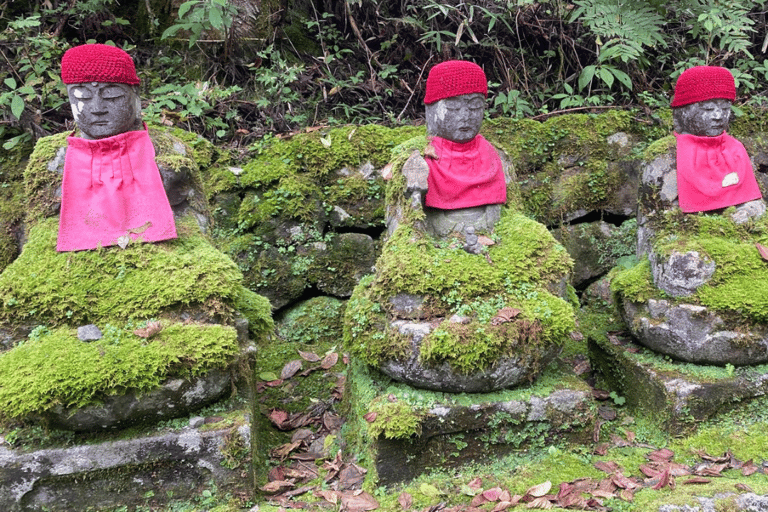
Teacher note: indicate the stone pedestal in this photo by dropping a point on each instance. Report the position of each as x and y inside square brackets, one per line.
[407, 431]
[676, 395]
[144, 470]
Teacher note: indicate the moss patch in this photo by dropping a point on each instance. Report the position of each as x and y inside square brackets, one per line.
[525, 259]
[58, 369]
[112, 284]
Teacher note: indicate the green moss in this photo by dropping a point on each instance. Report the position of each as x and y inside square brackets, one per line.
[317, 320]
[320, 153]
[662, 146]
[112, 284]
[257, 310]
[394, 420]
[634, 284]
[58, 369]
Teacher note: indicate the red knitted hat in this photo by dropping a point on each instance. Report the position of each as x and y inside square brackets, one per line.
[703, 83]
[454, 78]
[97, 63]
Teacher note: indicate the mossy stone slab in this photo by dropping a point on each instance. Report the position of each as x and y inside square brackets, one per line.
[404, 432]
[675, 395]
[128, 473]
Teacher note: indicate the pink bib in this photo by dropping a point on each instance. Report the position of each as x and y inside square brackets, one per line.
[111, 189]
[464, 175]
[713, 172]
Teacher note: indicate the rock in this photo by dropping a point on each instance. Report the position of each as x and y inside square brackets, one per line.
[694, 334]
[174, 398]
[506, 372]
[680, 275]
[88, 333]
[595, 247]
[339, 265]
[115, 474]
[748, 211]
[313, 321]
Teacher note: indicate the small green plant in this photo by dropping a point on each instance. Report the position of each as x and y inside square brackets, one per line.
[198, 16]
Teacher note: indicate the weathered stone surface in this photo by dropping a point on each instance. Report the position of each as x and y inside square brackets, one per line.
[693, 333]
[598, 294]
[117, 473]
[441, 223]
[507, 372]
[459, 429]
[88, 332]
[408, 305]
[341, 263]
[749, 502]
[680, 274]
[586, 244]
[174, 398]
[676, 396]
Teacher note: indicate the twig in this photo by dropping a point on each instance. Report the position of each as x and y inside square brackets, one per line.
[565, 111]
[414, 90]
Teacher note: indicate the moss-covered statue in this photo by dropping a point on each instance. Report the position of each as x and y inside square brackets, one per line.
[467, 292]
[700, 296]
[107, 331]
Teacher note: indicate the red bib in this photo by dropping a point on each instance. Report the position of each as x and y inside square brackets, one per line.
[465, 175]
[713, 172]
[112, 188]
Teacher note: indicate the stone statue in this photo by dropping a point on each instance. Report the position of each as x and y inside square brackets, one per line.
[448, 307]
[460, 180]
[713, 168]
[700, 214]
[112, 191]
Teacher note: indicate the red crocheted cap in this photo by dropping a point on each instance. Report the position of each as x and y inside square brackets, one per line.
[703, 83]
[454, 78]
[97, 63]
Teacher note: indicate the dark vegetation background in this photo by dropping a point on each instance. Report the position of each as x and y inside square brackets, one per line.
[236, 71]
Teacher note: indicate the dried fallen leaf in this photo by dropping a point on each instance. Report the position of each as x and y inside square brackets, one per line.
[486, 241]
[310, 357]
[277, 486]
[749, 468]
[329, 361]
[541, 503]
[743, 487]
[331, 497]
[139, 230]
[763, 250]
[663, 455]
[505, 315]
[370, 417]
[502, 505]
[475, 484]
[664, 480]
[405, 500]
[540, 490]
[358, 502]
[697, 480]
[290, 369]
[279, 418]
[430, 152]
[150, 330]
[492, 494]
[608, 466]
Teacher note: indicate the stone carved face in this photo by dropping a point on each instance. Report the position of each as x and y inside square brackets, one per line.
[105, 109]
[706, 118]
[457, 119]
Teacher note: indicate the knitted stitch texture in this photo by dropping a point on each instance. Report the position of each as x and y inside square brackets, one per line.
[98, 63]
[454, 78]
[703, 83]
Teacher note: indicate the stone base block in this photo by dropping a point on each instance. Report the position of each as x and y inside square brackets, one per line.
[407, 431]
[140, 471]
[675, 395]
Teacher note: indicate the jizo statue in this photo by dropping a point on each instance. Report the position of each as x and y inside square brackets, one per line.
[460, 180]
[713, 168]
[112, 191]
